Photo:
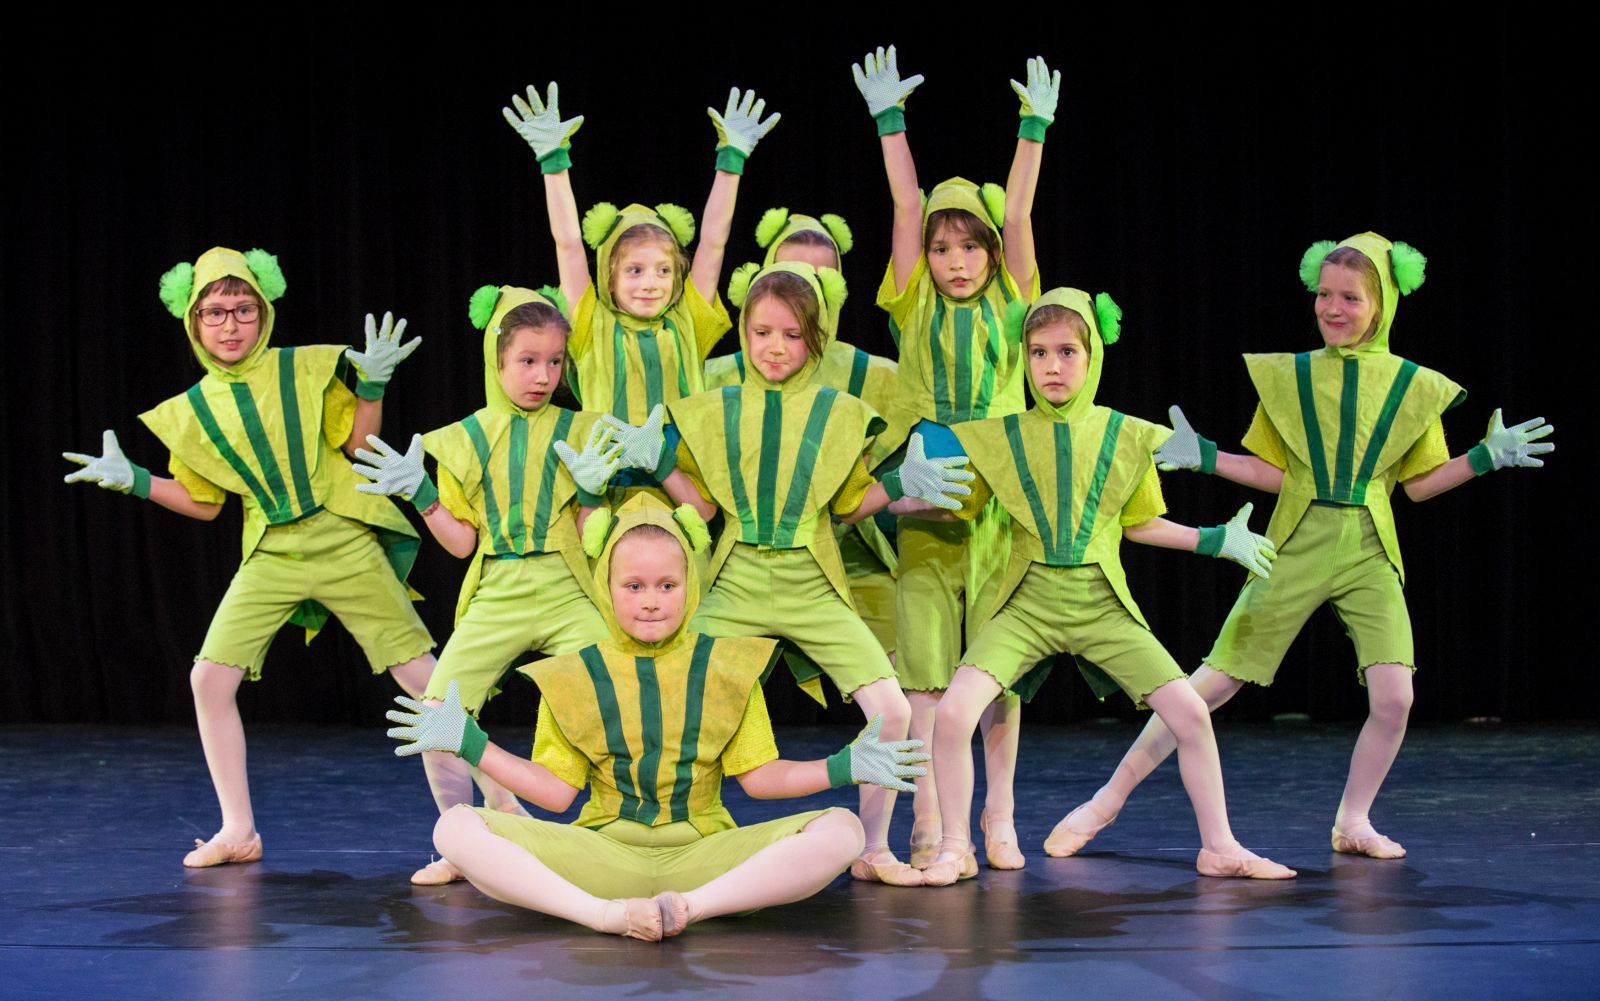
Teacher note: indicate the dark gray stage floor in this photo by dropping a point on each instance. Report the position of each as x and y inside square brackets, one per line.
[1499, 898]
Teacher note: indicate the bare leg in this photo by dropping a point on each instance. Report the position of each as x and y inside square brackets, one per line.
[1389, 706]
[448, 776]
[1151, 748]
[925, 801]
[216, 710]
[970, 693]
[882, 697]
[793, 869]
[1001, 725]
[1189, 719]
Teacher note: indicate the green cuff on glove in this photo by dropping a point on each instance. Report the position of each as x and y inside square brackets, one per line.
[1211, 540]
[556, 161]
[890, 120]
[1479, 458]
[370, 390]
[669, 453]
[1032, 127]
[427, 495]
[473, 741]
[891, 484]
[730, 160]
[141, 482]
[839, 768]
[1208, 455]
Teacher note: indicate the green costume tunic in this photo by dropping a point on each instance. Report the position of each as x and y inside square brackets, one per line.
[626, 365]
[1064, 474]
[255, 429]
[653, 722]
[773, 457]
[522, 499]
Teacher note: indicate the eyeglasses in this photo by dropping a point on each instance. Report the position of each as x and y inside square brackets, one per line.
[215, 316]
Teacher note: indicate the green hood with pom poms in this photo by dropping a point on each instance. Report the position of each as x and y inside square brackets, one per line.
[180, 290]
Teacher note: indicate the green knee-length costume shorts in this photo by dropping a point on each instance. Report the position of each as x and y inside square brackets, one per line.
[629, 859]
[1071, 610]
[326, 558]
[1334, 555]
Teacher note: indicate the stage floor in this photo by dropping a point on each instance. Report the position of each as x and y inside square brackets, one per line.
[1499, 898]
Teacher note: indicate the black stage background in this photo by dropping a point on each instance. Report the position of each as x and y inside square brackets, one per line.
[1190, 166]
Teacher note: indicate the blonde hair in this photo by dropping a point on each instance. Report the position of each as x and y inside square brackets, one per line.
[1052, 314]
[646, 232]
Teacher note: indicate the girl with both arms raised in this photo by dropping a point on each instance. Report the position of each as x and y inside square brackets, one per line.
[1077, 478]
[778, 455]
[643, 325]
[1334, 431]
[958, 260]
[650, 719]
[868, 555]
[504, 500]
[267, 424]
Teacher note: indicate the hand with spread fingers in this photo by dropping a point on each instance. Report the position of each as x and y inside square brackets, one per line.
[642, 444]
[878, 79]
[1235, 542]
[941, 482]
[394, 474]
[446, 727]
[539, 123]
[1518, 445]
[867, 759]
[110, 470]
[1040, 96]
[593, 467]
[375, 366]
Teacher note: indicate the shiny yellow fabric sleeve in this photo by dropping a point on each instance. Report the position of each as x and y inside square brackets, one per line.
[973, 504]
[854, 490]
[552, 750]
[581, 338]
[687, 464]
[1264, 440]
[899, 305]
[1429, 453]
[1146, 502]
[710, 317]
[338, 414]
[454, 498]
[752, 745]
[200, 489]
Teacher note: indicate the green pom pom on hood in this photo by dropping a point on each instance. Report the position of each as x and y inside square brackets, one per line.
[1410, 267]
[481, 306]
[269, 276]
[1109, 317]
[598, 223]
[679, 220]
[770, 226]
[557, 299]
[739, 283]
[1311, 263]
[994, 200]
[779, 225]
[839, 230]
[826, 284]
[694, 527]
[604, 225]
[176, 284]
[644, 509]
[596, 531]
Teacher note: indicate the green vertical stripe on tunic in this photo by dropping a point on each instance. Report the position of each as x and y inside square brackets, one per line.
[290, 399]
[652, 730]
[261, 445]
[689, 745]
[491, 507]
[732, 408]
[804, 464]
[1308, 417]
[208, 422]
[605, 695]
[1380, 431]
[1091, 502]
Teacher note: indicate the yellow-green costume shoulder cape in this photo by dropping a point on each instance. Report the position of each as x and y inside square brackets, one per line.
[955, 362]
[1348, 416]
[654, 728]
[1064, 473]
[255, 429]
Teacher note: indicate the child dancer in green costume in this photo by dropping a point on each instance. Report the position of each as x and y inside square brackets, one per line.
[650, 719]
[1077, 478]
[1334, 431]
[778, 455]
[642, 326]
[267, 424]
[957, 261]
[869, 559]
[504, 500]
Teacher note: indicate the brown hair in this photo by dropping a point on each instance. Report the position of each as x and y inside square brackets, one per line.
[812, 238]
[647, 232]
[1051, 314]
[230, 285]
[964, 222]
[537, 315]
[797, 294]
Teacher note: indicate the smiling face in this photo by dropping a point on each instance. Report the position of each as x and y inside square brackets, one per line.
[644, 274]
[1346, 306]
[959, 261]
[231, 340]
[775, 339]
[1058, 361]
[530, 364]
[647, 579]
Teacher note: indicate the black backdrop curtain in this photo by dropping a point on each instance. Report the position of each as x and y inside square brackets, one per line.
[1185, 174]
